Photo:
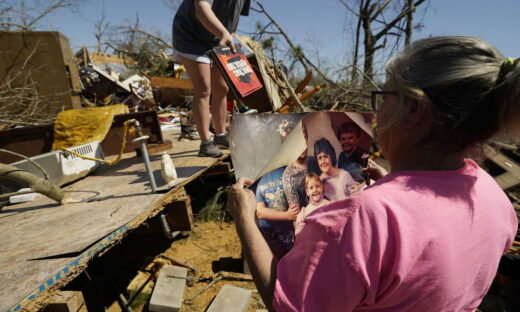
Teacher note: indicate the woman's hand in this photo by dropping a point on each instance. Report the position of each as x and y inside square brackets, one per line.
[241, 201]
[227, 40]
[375, 171]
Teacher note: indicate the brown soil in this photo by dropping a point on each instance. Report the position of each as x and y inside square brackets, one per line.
[210, 247]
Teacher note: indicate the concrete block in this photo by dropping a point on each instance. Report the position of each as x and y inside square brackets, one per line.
[231, 299]
[168, 292]
[65, 301]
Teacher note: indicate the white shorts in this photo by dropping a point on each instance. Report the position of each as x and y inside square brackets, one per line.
[194, 57]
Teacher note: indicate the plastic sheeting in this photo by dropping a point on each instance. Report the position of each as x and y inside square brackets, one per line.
[79, 126]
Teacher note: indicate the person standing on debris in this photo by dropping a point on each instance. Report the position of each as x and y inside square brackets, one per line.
[429, 235]
[199, 26]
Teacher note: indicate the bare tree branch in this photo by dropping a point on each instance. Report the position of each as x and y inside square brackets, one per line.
[154, 37]
[282, 32]
[17, 13]
[397, 19]
[58, 4]
[101, 26]
[380, 10]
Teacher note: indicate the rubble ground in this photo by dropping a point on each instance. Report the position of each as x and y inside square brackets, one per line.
[209, 248]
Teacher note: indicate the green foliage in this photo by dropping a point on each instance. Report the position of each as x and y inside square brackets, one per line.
[297, 52]
[268, 44]
[215, 207]
[209, 197]
[139, 299]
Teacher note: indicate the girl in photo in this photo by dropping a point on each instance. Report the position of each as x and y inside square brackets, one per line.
[316, 199]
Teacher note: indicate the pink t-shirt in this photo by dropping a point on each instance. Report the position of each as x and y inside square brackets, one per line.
[414, 241]
[299, 222]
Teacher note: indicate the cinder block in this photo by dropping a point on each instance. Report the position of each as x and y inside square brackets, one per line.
[169, 290]
[65, 301]
[231, 299]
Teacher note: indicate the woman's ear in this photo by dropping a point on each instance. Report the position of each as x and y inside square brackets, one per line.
[415, 112]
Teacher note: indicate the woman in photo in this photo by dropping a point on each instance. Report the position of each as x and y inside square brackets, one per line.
[336, 181]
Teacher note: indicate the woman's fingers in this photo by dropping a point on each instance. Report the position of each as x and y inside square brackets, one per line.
[243, 182]
[241, 201]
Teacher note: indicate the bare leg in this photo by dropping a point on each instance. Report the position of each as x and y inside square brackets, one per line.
[218, 100]
[200, 75]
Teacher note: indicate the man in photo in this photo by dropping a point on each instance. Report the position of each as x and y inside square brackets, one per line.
[353, 157]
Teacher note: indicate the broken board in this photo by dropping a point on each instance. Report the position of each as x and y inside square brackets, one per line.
[45, 244]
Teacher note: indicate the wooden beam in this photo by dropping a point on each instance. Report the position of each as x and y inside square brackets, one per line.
[155, 148]
[105, 58]
[180, 215]
[65, 301]
[175, 83]
[512, 176]
[219, 168]
[507, 180]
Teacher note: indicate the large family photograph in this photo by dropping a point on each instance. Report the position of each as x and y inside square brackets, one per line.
[319, 160]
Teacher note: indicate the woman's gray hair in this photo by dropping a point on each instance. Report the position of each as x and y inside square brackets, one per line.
[458, 77]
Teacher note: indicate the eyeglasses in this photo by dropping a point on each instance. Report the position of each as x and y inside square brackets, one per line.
[378, 98]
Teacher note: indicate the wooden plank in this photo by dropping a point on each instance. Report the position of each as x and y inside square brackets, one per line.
[507, 180]
[65, 301]
[174, 83]
[220, 168]
[105, 58]
[180, 215]
[512, 178]
[305, 81]
[155, 148]
[34, 140]
[43, 228]
[39, 55]
[290, 100]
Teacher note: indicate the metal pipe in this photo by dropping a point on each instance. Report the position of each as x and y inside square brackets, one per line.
[166, 227]
[144, 152]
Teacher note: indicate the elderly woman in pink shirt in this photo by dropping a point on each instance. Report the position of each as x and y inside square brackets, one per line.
[429, 235]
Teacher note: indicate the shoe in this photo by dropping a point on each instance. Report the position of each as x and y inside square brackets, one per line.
[208, 149]
[222, 140]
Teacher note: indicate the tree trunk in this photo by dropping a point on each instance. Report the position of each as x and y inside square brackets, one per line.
[356, 45]
[369, 49]
[37, 184]
[409, 22]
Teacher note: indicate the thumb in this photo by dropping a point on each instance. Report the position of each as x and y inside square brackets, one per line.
[232, 46]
